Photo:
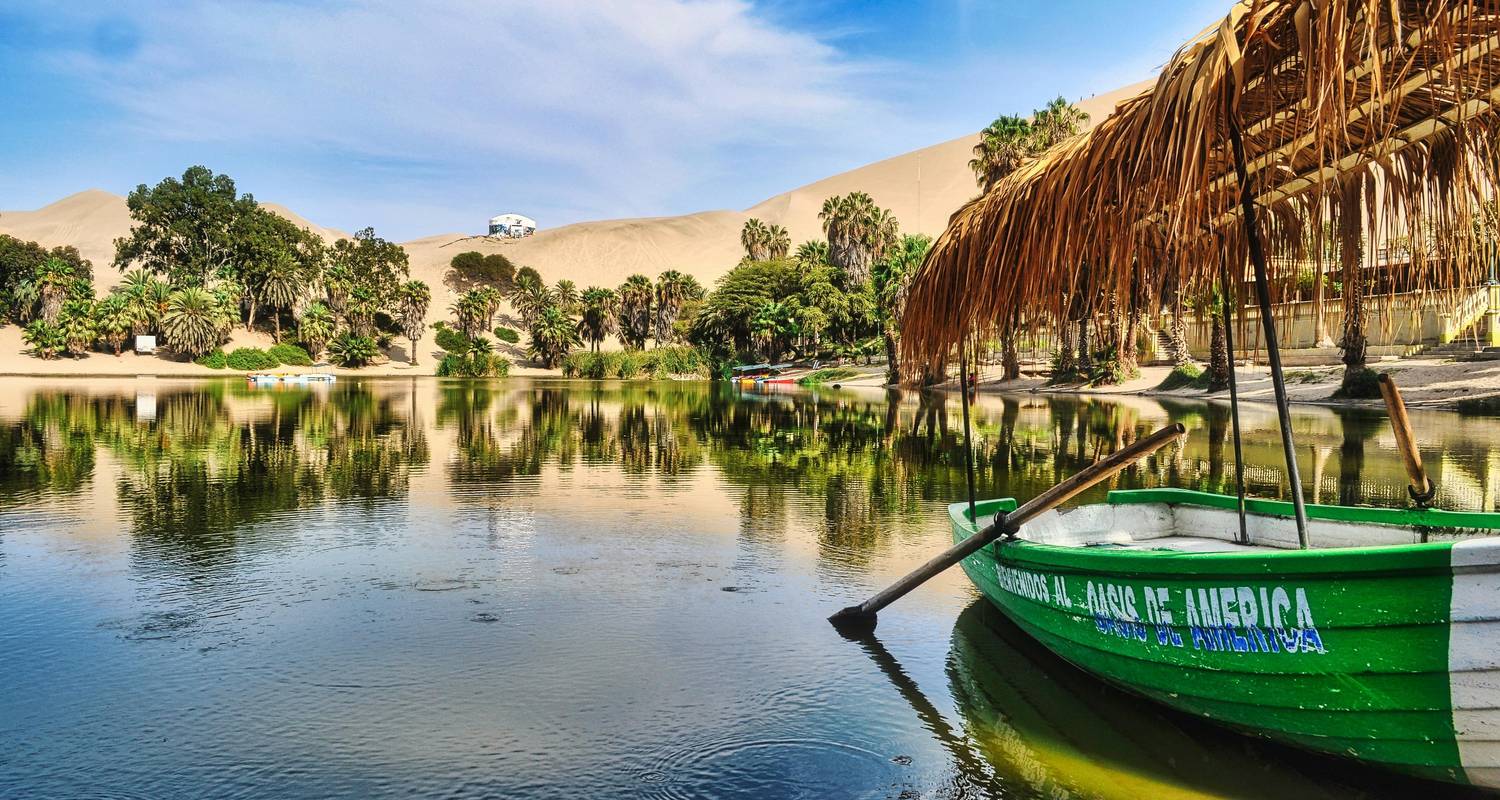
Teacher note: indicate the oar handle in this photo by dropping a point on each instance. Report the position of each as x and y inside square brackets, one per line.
[1421, 488]
[1008, 524]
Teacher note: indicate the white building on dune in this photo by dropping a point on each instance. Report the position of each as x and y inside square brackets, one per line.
[513, 226]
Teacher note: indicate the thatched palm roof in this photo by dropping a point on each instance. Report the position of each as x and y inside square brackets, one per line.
[1380, 110]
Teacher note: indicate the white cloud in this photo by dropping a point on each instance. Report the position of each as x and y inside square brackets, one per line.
[631, 104]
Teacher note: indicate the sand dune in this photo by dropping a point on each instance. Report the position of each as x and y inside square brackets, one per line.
[922, 188]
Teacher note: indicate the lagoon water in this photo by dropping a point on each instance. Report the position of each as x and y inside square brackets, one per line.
[398, 588]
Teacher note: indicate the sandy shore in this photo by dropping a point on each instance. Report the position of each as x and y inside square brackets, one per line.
[1430, 383]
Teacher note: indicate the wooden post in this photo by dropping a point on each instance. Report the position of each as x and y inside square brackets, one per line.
[963, 388]
[1268, 323]
[1420, 487]
[1231, 302]
[863, 615]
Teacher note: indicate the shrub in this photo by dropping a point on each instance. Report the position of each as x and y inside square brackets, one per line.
[349, 350]
[1184, 376]
[507, 335]
[828, 375]
[472, 365]
[249, 359]
[213, 360]
[290, 354]
[1362, 384]
[452, 341]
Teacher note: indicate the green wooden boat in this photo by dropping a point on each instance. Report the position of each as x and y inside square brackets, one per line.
[1381, 644]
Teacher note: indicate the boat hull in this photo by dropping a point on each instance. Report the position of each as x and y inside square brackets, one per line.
[1383, 654]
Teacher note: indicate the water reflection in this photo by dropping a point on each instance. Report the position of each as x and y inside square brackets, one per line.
[597, 589]
[200, 460]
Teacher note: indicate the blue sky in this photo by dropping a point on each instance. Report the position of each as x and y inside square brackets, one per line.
[421, 117]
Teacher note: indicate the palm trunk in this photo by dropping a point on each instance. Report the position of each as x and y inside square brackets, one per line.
[1218, 357]
[1085, 350]
[276, 316]
[1177, 346]
[250, 317]
[1067, 354]
[892, 365]
[1010, 358]
[411, 357]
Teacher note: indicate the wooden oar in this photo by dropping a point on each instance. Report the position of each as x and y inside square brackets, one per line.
[864, 614]
[1421, 488]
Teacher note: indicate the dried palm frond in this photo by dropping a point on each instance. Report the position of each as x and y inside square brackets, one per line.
[1397, 96]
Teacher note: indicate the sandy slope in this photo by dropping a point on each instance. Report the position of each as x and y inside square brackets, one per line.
[922, 188]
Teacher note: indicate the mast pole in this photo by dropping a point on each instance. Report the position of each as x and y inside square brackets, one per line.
[1268, 321]
[1231, 302]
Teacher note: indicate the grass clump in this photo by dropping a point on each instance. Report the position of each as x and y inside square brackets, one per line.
[662, 362]
[1184, 376]
[473, 364]
[290, 355]
[249, 359]
[1361, 384]
[507, 335]
[213, 360]
[828, 375]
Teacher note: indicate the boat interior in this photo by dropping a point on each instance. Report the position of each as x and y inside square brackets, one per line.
[1202, 528]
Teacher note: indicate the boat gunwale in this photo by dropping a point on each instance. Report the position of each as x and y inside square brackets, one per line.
[1406, 558]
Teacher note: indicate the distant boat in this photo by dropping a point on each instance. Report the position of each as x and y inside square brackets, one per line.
[266, 378]
[1379, 645]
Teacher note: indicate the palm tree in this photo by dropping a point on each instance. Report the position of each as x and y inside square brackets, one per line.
[154, 303]
[859, 233]
[756, 239]
[598, 320]
[280, 289]
[493, 298]
[24, 298]
[635, 311]
[673, 288]
[45, 339]
[414, 297]
[530, 297]
[349, 349]
[54, 279]
[770, 327]
[114, 319]
[566, 295]
[194, 322]
[553, 334]
[315, 329]
[812, 253]
[1057, 122]
[76, 322]
[778, 242]
[892, 276]
[469, 312]
[1003, 145]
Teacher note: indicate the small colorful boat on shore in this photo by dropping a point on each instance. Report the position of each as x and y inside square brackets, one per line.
[1376, 644]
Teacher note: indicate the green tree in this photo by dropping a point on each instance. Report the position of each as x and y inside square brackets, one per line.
[76, 322]
[194, 323]
[1002, 146]
[115, 320]
[673, 288]
[566, 294]
[349, 349]
[530, 296]
[44, 338]
[859, 233]
[55, 280]
[892, 277]
[470, 312]
[414, 297]
[315, 329]
[280, 287]
[183, 228]
[553, 334]
[812, 253]
[599, 315]
[635, 311]
[368, 270]
[755, 237]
